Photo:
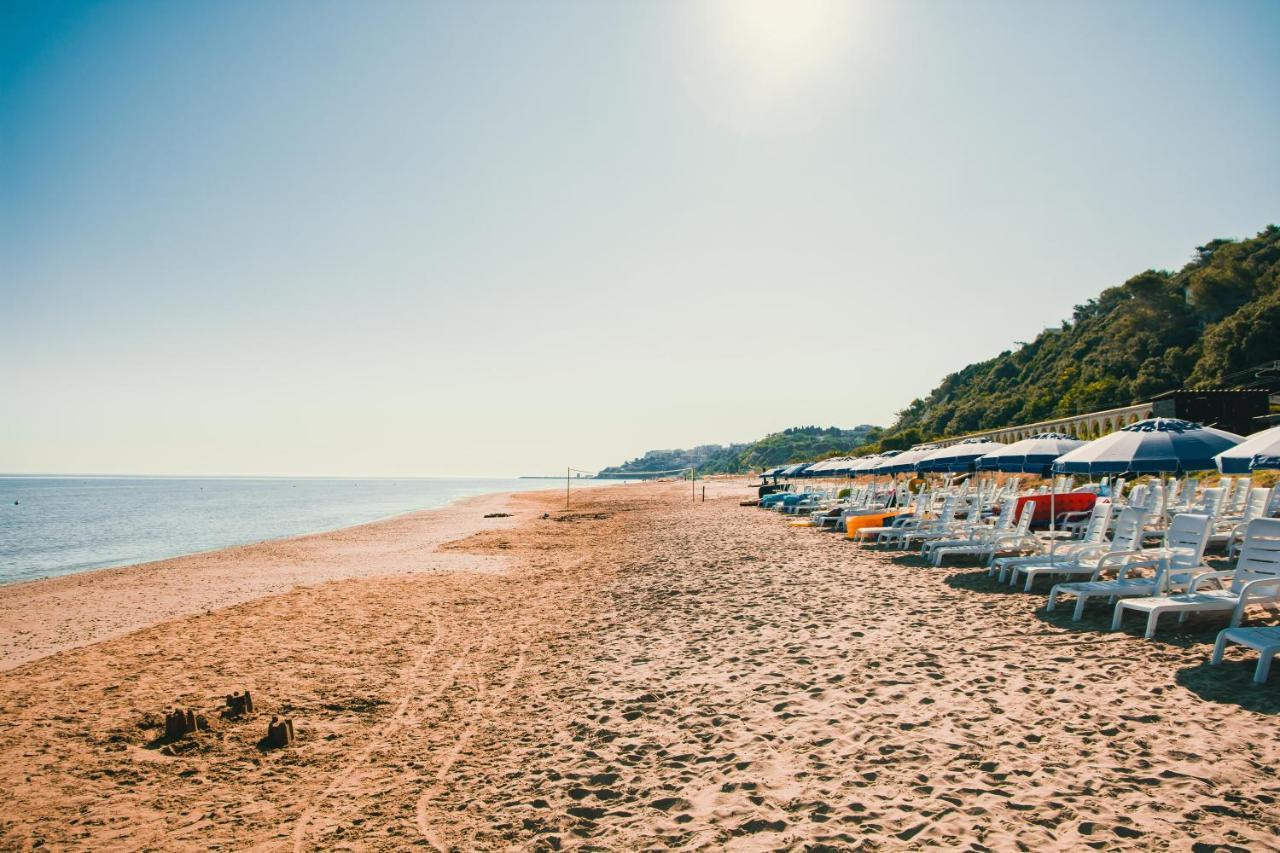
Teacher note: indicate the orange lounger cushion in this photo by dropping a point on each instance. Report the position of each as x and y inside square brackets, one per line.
[854, 523]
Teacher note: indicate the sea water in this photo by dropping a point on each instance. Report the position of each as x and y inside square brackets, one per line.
[59, 525]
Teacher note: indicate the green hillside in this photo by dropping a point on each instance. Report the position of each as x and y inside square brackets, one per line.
[1217, 316]
[1199, 327]
[798, 444]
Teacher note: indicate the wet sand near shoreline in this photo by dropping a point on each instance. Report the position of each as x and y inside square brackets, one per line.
[38, 618]
[642, 672]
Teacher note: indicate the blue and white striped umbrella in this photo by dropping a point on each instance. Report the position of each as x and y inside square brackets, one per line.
[902, 462]
[1259, 451]
[1032, 455]
[862, 464]
[1155, 446]
[958, 457]
[831, 467]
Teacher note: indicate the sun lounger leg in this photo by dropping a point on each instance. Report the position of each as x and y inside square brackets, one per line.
[1079, 611]
[1053, 599]
[1151, 623]
[1118, 617]
[1218, 648]
[1264, 664]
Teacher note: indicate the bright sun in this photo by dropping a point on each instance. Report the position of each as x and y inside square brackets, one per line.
[767, 56]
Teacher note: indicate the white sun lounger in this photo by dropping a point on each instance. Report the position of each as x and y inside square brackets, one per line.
[1176, 565]
[1256, 580]
[1095, 533]
[1090, 562]
[1265, 640]
[984, 543]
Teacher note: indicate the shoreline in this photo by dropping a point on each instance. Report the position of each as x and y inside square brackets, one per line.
[79, 570]
[45, 616]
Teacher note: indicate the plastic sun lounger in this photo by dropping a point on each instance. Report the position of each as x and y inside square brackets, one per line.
[1256, 580]
[1176, 566]
[1266, 641]
[1091, 561]
[1095, 533]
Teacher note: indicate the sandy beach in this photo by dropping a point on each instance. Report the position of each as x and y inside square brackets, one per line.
[636, 672]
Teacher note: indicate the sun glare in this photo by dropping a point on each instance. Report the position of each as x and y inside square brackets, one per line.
[768, 58]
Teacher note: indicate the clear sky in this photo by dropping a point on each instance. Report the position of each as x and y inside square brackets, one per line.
[499, 238]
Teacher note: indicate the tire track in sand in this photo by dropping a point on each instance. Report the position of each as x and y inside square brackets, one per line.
[406, 701]
[451, 757]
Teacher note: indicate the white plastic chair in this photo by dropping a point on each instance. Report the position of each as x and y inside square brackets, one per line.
[1266, 641]
[984, 543]
[1255, 580]
[1090, 562]
[1232, 533]
[1176, 564]
[1095, 533]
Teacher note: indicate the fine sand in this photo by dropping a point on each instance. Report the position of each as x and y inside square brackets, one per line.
[637, 672]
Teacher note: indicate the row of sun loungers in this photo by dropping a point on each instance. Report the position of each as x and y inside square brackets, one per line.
[1143, 554]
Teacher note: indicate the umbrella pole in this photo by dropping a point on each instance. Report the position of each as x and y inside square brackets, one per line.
[1053, 513]
[1164, 507]
[1164, 523]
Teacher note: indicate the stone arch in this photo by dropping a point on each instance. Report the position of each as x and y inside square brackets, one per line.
[1107, 427]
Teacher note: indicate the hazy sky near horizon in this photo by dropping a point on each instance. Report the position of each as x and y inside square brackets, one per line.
[401, 238]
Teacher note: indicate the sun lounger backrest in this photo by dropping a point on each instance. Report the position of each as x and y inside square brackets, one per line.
[1242, 494]
[1128, 534]
[1024, 520]
[1005, 519]
[1211, 504]
[1260, 553]
[1099, 522]
[1187, 538]
[1228, 486]
[1187, 493]
[1273, 502]
[1138, 495]
[1256, 505]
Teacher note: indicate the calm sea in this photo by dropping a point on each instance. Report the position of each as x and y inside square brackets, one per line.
[59, 525]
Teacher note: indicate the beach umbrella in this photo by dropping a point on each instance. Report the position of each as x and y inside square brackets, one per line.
[1262, 462]
[1032, 455]
[1258, 451]
[900, 463]
[832, 466]
[859, 464]
[1155, 446]
[845, 465]
[957, 457]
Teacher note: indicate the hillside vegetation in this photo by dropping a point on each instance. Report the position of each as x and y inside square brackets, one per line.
[1217, 316]
[798, 444]
[1199, 327]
